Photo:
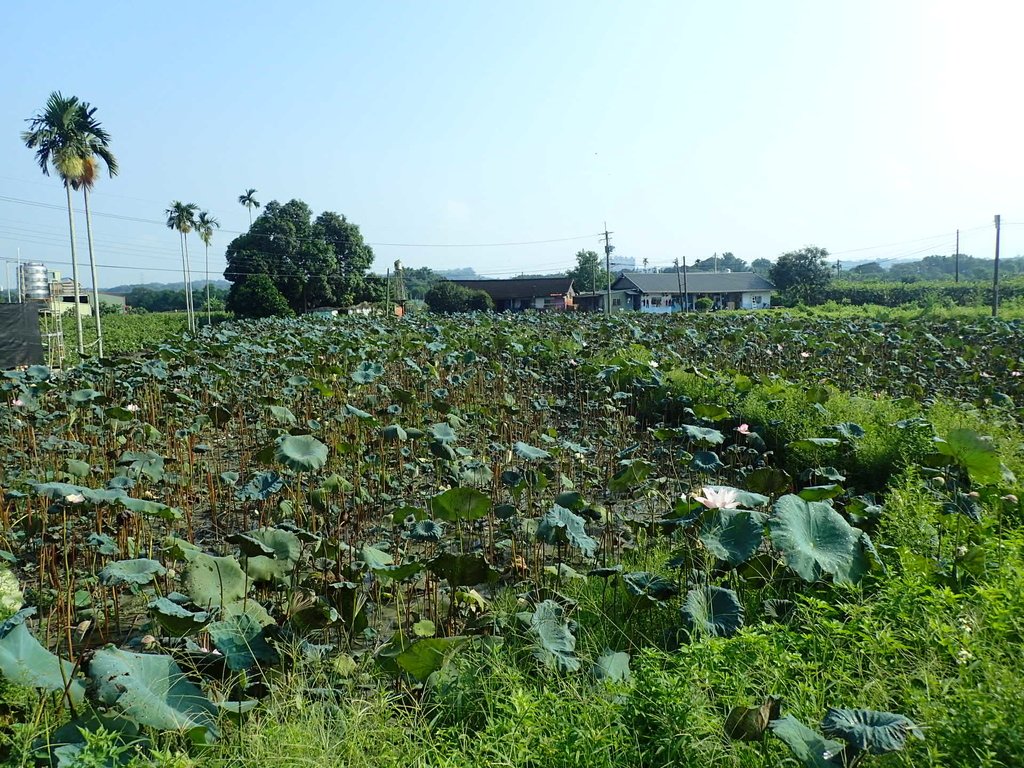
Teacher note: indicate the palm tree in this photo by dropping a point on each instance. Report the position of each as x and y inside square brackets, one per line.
[249, 201]
[205, 225]
[55, 135]
[96, 144]
[182, 217]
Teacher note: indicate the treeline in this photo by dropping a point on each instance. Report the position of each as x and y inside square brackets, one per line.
[921, 293]
[170, 300]
[935, 267]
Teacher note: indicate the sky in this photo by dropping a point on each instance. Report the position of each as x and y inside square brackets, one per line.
[872, 128]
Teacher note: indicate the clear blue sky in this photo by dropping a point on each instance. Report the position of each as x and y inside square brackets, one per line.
[753, 127]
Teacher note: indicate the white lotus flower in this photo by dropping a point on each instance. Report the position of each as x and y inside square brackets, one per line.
[718, 498]
[74, 498]
[131, 408]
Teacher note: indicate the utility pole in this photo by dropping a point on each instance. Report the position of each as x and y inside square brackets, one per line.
[839, 267]
[956, 259]
[686, 292]
[608, 248]
[716, 262]
[995, 274]
[679, 282]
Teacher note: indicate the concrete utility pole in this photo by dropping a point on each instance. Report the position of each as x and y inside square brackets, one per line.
[716, 262]
[956, 259]
[686, 292]
[608, 248]
[679, 282]
[995, 274]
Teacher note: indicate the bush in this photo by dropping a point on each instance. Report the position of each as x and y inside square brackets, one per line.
[704, 304]
[448, 298]
[258, 297]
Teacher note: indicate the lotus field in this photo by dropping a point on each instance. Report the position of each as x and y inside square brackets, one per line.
[729, 539]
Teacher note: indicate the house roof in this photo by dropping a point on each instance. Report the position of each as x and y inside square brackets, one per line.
[696, 282]
[520, 288]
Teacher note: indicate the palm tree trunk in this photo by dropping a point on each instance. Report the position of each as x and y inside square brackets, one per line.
[92, 267]
[184, 276]
[74, 271]
[188, 290]
[209, 316]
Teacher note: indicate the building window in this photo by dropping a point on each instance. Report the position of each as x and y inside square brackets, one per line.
[616, 302]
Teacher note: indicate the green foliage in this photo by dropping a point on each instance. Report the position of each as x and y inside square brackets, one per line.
[589, 273]
[801, 275]
[448, 298]
[258, 296]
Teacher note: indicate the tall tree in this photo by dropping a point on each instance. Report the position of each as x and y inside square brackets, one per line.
[589, 273]
[181, 217]
[96, 146]
[205, 224]
[248, 199]
[761, 266]
[802, 275]
[311, 262]
[56, 135]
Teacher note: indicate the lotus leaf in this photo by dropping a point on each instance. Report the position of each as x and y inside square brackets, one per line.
[242, 640]
[815, 540]
[562, 526]
[150, 690]
[23, 661]
[712, 611]
[214, 581]
[870, 731]
[132, 572]
[733, 535]
[556, 647]
[460, 504]
[301, 453]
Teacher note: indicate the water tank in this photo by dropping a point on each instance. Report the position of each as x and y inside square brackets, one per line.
[35, 284]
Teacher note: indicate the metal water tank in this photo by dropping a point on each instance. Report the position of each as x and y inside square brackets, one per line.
[35, 284]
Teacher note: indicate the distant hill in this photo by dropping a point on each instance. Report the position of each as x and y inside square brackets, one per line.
[179, 286]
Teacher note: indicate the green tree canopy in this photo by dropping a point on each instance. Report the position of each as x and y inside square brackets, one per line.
[761, 267]
[589, 273]
[724, 261]
[310, 262]
[447, 298]
[802, 275]
[258, 297]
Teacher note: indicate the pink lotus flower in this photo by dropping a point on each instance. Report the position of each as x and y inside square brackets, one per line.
[717, 498]
[18, 403]
[743, 429]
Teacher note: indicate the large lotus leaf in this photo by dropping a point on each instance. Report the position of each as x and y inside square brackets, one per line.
[703, 434]
[821, 492]
[23, 661]
[135, 572]
[612, 666]
[427, 530]
[869, 730]
[367, 372]
[242, 640]
[706, 461]
[975, 453]
[301, 453]
[286, 548]
[373, 557]
[710, 412]
[733, 535]
[562, 526]
[814, 443]
[249, 607]
[282, 415]
[59, 490]
[213, 580]
[556, 645]
[649, 586]
[462, 570]
[810, 748]
[460, 504]
[262, 486]
[712, 611]
[531, 453]
[443, 433]
[424, 657]
[631, 476]
[148, 689]
[177, 620]
[147, 507]
[815, 540]
[849, 430]
[394, 433]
